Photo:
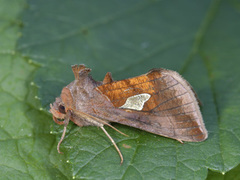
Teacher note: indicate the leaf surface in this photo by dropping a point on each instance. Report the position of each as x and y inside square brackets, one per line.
[25, 143]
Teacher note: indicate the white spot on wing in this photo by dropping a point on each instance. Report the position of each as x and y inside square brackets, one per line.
[136, 102]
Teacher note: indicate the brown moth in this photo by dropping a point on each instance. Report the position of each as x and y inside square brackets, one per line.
[160, 102]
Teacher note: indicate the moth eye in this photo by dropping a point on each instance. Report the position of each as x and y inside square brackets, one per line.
[61, 109]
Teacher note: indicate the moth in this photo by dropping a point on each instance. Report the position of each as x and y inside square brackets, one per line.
[160, 102]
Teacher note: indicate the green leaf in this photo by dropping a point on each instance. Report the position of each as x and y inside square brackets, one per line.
[199, 39]
[231, 175]
[26, 145]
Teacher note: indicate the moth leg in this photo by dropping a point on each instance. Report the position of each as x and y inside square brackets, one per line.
[117, 130]
[179, 141]
[98, 120]
[119, 152]
[66, 121]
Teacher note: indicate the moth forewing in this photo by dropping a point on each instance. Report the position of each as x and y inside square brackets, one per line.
[194, 99]
[171, 110]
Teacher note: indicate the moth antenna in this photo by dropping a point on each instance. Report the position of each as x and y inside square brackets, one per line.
[113, 142]
[66, 121]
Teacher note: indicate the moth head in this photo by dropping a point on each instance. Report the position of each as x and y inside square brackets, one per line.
[58, 110]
